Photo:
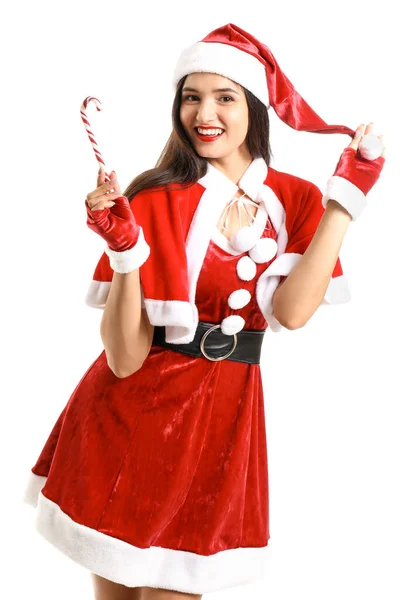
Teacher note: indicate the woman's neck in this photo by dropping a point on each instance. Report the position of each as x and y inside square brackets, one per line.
[231, 166]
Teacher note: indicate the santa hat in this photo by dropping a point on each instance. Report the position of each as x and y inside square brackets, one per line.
[232, 52]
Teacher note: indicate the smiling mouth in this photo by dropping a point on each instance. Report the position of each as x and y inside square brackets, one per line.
[213, 132]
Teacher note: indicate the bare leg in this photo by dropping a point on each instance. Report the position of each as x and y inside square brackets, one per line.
[109, 590]
[149, 593]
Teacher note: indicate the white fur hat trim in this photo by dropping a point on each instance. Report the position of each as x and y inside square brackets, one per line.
[226, 60]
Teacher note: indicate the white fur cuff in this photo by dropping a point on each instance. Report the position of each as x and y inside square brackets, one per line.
[129, 260]
[346, 194]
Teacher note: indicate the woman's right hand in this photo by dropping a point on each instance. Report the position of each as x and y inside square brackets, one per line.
[109, 214]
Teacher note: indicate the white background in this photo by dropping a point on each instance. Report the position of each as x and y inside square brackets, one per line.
[339, 393]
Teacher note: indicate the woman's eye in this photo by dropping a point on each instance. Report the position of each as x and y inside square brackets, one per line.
[191, 97]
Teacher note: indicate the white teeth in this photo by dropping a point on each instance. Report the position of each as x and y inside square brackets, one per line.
[209, 131]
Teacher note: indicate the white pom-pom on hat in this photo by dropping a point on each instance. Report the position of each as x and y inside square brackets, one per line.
[370, 146]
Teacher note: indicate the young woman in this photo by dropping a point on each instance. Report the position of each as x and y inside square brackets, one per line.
[154, 476]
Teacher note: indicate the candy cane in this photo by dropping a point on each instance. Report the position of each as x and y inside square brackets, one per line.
[90, 133]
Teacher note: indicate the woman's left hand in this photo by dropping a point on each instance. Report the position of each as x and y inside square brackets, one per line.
[360, 132]
[354, 175]
[355, 168]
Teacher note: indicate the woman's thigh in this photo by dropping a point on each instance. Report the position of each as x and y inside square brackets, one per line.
[109, 590]
[149, 593]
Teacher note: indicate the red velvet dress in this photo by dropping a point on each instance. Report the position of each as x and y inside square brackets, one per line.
[160, 479]
[173, 456]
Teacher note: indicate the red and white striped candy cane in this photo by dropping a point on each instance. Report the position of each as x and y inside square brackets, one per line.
[90, 133]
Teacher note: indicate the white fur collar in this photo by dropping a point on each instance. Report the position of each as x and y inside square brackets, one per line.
[251, 181]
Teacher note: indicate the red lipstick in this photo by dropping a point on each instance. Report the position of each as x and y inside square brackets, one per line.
[208, 138]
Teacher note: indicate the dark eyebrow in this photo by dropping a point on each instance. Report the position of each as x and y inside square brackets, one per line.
[188, 89]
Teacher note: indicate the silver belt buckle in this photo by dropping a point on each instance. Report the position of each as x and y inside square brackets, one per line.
[203, 340]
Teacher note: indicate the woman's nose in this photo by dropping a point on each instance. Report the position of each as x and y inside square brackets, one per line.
[206, 112]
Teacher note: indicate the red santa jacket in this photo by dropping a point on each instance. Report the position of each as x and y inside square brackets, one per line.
[178, 225]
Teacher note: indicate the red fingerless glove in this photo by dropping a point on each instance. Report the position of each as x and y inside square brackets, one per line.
[117, 226]
[353, 178]
[126, 245]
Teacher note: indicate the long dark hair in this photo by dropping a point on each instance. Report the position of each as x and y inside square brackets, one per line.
[180, 163]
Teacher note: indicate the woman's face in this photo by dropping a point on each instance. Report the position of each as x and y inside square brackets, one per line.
[213, 102]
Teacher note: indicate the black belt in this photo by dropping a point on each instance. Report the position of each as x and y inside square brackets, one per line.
[209, 341]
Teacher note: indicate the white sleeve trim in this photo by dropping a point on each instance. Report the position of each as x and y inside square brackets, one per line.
[346, 194]
[129, 260]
